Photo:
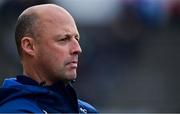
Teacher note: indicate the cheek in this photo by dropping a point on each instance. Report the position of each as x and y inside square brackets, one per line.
[52, 54]
[53, 58]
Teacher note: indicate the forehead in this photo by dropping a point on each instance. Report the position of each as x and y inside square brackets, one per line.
[57, 22]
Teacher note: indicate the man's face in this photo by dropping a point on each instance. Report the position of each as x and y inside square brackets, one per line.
[58, 48]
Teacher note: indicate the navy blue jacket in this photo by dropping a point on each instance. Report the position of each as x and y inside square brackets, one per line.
[24, 95]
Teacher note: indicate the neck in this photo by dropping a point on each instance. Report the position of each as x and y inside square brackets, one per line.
[35, 73]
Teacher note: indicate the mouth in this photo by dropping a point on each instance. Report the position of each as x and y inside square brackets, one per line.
[72, 64]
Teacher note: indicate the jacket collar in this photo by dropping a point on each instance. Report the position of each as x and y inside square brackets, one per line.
[59, 88]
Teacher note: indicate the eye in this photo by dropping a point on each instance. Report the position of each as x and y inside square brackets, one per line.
[77, 38]
[64, 39]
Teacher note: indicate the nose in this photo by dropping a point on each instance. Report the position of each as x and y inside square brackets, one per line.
[75, 47]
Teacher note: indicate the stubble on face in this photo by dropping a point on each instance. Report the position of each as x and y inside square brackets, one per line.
[54, 60]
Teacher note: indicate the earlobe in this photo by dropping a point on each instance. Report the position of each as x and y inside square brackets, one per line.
[27, 45]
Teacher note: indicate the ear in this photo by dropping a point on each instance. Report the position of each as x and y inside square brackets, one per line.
[28, 45]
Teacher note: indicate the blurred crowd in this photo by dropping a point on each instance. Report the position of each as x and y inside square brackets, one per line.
[131, 50]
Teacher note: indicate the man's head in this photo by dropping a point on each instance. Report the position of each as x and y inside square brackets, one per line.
[48, 42]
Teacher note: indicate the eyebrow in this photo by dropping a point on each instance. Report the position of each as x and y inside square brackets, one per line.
[68, 35]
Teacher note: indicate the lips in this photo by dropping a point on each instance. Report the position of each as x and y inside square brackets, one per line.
[72, 64]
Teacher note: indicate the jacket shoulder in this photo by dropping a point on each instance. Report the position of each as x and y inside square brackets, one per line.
[20, 105]
[85, 107]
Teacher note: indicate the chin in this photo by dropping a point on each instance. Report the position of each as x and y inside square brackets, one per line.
[71, 76]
